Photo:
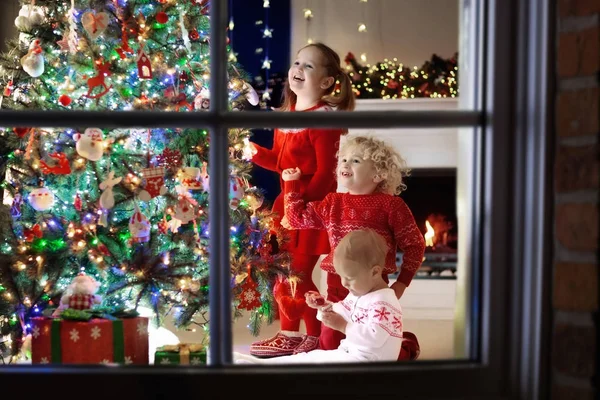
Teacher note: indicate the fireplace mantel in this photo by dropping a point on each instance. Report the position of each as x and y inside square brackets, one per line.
[421, 148]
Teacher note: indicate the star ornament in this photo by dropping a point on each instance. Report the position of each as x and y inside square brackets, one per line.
[266, 63]
[266, 4]
[63, 43]
[267, 32]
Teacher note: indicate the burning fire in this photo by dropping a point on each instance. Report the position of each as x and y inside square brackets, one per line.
[429, 235]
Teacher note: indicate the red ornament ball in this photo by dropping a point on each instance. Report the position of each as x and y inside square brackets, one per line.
[194, 35]
[162, 17]
[64, 100]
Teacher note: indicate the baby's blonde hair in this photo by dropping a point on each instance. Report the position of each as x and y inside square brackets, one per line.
[364, 247]
[388, 163]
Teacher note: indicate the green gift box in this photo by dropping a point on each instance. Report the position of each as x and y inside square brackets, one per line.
[180, 354]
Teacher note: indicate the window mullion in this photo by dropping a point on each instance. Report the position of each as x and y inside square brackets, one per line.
[220, 292]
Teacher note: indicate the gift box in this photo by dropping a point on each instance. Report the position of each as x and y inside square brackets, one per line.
[97, 341]
[181, 354]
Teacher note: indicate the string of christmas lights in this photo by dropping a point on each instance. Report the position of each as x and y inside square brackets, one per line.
[389, 79]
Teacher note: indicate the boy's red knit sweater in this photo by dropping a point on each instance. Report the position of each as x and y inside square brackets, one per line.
[340, 213]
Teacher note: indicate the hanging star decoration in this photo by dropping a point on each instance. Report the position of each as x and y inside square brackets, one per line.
[63, 43]
[308, 14]
[266, 63]
[266, 4]
[267, 32]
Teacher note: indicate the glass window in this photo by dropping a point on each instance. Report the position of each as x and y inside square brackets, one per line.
[169, 219]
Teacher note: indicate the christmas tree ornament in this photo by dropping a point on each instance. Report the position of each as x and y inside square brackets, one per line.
[61, 168]
[107, 199]
[236, 191]
[33, 61]
[153, 183]
[194, 35]
[15, 208]
[250, 296]
[8, 89]
[139, 227]
[80, 294]
[250, 94]
[184, 209]
[34, 232]
[189, 177]
[41, 199]
[29, 17]
[177, 98]
[77, 202]
[64, 100]
[94, 23]
[21, 131]
[162, 17]
[163, 225]
[103, 69]
[143, 64]
[90, 144]
[204, 177]
[202, 100]
[169, 158]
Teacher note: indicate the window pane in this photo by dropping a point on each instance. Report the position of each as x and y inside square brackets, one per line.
[425, 226]
[389, 49]
[107, 224]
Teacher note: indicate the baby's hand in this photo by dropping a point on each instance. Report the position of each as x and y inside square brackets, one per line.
[291, 174]
[334, 320]
[315, 300]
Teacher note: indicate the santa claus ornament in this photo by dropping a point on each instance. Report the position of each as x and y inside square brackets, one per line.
[139, 227]
[202, 100]
[236, 192]
[90, 144]
[41, 199]
[80, 295]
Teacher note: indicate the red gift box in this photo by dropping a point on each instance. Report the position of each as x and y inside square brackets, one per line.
[122, 341]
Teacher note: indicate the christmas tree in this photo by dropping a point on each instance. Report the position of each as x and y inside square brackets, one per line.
[128, 207]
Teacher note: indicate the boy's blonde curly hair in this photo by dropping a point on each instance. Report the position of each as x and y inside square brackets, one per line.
[389, 164]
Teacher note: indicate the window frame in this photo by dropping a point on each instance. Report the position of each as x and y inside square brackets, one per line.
[509, 303]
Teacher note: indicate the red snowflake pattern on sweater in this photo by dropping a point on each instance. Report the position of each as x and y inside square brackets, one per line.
[341, 213]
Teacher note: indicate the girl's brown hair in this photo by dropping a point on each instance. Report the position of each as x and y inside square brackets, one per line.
[344, 101]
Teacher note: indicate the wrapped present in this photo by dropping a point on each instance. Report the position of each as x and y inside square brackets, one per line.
[96, 341]
[181, 354]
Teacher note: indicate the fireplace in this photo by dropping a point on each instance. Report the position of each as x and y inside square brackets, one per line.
[431, 196]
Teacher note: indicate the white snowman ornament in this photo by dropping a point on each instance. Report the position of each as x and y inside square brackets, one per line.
[139, 227]
[29, 16]
[41, 199]
[33, 61]
[90, 144]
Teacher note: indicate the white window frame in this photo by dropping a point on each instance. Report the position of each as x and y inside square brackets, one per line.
[506, 293]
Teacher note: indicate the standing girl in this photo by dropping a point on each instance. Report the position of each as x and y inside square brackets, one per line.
[311, 82]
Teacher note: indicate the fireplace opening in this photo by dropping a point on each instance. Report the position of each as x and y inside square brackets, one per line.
[431, 196]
